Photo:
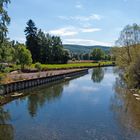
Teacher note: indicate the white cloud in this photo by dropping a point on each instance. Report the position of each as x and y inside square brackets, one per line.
[82, 18]
[19, 39]
[66, 31]
[83, 89]
[79, 5]
[87, 42]
[71, 31]
[89, 30]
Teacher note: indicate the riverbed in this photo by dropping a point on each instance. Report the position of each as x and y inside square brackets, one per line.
[90, 107]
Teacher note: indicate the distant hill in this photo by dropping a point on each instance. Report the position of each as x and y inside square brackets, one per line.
[84, 49]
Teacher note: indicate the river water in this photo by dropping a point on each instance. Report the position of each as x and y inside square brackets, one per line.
[91, 107]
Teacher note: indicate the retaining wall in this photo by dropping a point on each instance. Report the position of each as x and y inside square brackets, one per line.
[20, 85]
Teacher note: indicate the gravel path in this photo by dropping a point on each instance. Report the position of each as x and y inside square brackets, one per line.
[25, 76]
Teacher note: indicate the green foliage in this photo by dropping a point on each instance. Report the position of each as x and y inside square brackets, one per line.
[6, 52]
[44, 47]
[38, 66]
[85, 49]
[128, 56]
[4, 19]
[74, 65]
[98, 54]
[23, 55]
[2, 76]
[31, 40]
[2, 67]
[7, 70]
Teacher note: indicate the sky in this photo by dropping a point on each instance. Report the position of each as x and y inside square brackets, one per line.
[83, 22]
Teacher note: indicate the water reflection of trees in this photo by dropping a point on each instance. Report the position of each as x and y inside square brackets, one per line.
[97, 75]
[6, 130]
[125, 107]
[43, 95]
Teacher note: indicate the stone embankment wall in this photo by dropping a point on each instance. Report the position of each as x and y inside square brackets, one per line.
[20, 85]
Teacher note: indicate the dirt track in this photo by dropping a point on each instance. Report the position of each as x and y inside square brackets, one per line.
[23, 76]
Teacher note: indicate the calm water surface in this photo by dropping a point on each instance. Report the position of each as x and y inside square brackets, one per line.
[92, 107]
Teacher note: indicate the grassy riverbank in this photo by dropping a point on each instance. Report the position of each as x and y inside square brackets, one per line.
[74, 65]
[46, 70]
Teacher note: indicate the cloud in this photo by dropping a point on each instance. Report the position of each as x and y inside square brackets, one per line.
[19, 39]
[82, 18]
[71, 31]
[86, 42]
[89, 30]
[79, 5]
[83, 89]
[66, 31]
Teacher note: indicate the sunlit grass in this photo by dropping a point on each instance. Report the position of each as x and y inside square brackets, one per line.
[73, 65]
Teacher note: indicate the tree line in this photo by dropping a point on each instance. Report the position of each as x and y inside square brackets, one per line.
[127, 54]
[39, 47]
[95, 54]
[44, 47]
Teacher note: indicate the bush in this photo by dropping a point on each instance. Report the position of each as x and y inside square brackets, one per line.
[2, 67]
[38, 66]
[7, 70]
[2, 76]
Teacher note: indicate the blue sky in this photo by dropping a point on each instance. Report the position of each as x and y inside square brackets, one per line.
[85, 22]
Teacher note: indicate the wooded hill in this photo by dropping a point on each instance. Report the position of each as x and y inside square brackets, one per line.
[85, 49]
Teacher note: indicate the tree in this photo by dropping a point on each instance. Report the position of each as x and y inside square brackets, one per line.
[86, 56]
[4, 19]
[44, 47]
[65, 56]
[32, 40]
[127, 55]
[24, 56]
[6, 52]
[129, 36]
[97, 54]
[51, 49]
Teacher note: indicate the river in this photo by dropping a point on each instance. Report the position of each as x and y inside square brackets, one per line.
[91, 107]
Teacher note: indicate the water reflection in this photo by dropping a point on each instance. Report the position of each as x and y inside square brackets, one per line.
[126, 109]
[77, 109]
[41, 95]
[97, 75]
[6, 130]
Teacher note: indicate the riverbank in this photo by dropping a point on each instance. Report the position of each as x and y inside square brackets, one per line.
[48, 70]
[19, 81]
[4, 99]
[33, 82]
[75, 65]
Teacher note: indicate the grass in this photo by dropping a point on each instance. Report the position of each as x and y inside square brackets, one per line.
[5, 78]
[73, 65]
[56, 66]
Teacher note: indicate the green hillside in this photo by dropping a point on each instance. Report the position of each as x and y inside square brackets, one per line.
[84, 49]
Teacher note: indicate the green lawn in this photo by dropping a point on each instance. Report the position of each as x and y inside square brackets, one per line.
[73, 65]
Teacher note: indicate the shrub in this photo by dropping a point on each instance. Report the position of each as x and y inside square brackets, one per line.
[7, 70]
[2, 76]
[38, 66]
[2, 67]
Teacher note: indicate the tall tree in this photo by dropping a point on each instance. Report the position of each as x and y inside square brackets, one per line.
[4, 19]
[129, 36]
[23, 55]
[97, 54]
[6, 52]
[128, 55]
[32, 40]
